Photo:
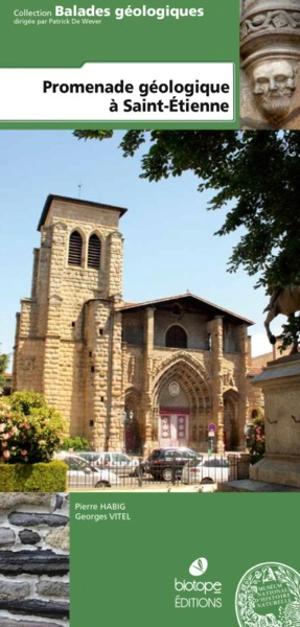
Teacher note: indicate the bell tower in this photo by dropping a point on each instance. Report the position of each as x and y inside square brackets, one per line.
[67, 331]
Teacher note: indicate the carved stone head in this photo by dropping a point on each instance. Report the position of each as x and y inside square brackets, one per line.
[274, 83]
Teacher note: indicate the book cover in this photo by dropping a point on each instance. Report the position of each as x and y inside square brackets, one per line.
[152, 372]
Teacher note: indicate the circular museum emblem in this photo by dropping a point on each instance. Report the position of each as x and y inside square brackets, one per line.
[268, 595]
[174, 388]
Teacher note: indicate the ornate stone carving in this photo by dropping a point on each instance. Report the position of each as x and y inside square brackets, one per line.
[174, 388]
[28, 363]
[228, 379]
[270, 58]
[270, 20]
[274, 83]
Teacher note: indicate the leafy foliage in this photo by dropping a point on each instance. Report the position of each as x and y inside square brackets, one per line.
[30, 430]
[4, 359]
[75, 444]
[290, 331]
[41, 477]
[256, 178]
[257, 446]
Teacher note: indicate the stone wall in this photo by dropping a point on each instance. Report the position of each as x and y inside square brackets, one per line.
[34, 560]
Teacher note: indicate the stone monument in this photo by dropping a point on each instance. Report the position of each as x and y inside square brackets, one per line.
[280, 382]
[279, 470]
[270, 63]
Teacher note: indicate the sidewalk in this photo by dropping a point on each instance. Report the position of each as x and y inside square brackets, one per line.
[149, 488]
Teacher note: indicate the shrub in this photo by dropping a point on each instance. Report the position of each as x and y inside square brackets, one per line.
[75, 444]
[30, 430]
[50, 477]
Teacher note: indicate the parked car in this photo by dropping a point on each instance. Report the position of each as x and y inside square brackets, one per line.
[208, 470]
[120, 463]
[82, 473]
[164, 463]
[89, 456]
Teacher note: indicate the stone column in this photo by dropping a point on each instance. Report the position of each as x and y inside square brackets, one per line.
[36, 254]
[215, 328]
[104, 401]
[147, 377]
[97, 382]
[117, 405]
[53, 331]
[43, 279]
[243, 348]
[115, 264]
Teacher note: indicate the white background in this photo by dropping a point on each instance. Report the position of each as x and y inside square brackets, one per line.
[22, 96]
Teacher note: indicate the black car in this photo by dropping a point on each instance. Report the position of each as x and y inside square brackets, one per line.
[167, 463]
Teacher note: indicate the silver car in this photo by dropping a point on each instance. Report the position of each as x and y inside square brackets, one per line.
[82, 473]
[89, 456]
[119, 463]
[207, 470]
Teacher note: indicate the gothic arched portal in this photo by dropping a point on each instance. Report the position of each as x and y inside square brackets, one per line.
[181, 403]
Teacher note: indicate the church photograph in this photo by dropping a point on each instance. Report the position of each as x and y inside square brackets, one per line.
[127, 375]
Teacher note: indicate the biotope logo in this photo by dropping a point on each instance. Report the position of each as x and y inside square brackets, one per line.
[268, 594]
[199, 594]
[198, 567]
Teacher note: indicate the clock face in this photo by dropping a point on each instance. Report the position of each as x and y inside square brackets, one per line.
[174, 388]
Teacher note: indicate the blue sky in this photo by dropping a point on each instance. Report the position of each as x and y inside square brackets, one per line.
[169, 243]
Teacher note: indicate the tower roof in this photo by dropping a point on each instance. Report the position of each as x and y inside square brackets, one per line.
[77, 201]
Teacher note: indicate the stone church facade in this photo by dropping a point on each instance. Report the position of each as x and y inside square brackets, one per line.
[127, 376]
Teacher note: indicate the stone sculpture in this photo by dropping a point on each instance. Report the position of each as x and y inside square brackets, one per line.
[274, 83]
[286, 301]
[270, 61]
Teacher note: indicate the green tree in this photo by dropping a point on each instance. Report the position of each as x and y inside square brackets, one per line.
[256, 179]
[4, 359]
[75, 444]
